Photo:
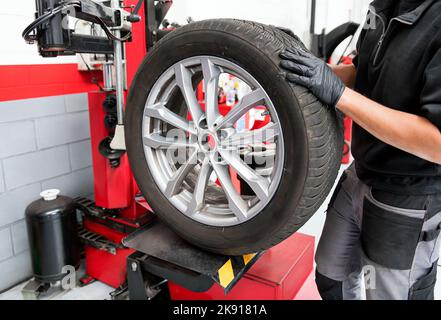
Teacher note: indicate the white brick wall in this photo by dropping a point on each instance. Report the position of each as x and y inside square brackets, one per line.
[45, 144]
[31, 108]
[76, 102]
[36, 166]
[77, 183]
[80, 155]
[22, 141]
[19, 237]
[58, 130]
[15, 269]
[13, 203]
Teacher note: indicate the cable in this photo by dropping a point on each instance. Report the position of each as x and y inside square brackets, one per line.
[94, 79]
[137, 7]
[109, 33]
[344, 51]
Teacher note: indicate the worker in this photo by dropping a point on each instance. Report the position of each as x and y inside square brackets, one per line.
[383, 222]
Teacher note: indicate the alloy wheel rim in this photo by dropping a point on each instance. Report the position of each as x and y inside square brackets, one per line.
[209, 145]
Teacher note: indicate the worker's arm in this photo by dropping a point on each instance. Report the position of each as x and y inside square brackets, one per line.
[405, 131]
[411, 133]
[346, 72]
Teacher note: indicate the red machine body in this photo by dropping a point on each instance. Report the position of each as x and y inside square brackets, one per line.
[347, 127]
[347, 122]
[115, 188]
[104, 266]
[279, 274]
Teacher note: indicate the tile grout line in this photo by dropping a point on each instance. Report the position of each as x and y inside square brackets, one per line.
[69, 157]
[12, 238]
[8, 226]
[34, 123]
[3, 176]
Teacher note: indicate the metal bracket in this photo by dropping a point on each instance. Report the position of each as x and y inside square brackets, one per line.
[155, 12]
[163, 253]
[98, 242]
[142, 285]
[33, 289]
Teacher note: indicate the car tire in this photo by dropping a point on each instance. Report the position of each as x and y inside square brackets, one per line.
[312, 134]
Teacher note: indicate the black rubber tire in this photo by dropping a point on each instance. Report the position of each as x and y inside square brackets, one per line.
[312, 133]
[337, 36]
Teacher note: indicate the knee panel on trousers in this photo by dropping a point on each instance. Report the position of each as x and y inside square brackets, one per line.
[329, 289]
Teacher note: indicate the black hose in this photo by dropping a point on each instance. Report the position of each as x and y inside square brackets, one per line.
[109, 33]
[137, 7]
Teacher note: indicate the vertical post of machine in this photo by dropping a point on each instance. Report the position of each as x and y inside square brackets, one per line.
[118, 141]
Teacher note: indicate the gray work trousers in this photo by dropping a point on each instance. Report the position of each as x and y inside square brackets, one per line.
[378, 245]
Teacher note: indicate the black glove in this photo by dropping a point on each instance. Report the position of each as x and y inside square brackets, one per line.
[307, 70]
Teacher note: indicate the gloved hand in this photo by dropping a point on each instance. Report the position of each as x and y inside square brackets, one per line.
[307, 70]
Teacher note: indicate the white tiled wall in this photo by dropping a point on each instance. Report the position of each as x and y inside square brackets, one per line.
[45, 144]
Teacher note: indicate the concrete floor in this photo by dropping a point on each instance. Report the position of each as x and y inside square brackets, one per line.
[100, 291]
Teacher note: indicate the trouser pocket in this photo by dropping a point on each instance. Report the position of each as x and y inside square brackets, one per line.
[433, 236]
[428, 248]
[390, 235]
[424, 288]
[436, 251]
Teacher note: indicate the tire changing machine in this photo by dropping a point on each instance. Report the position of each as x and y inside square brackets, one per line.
[126, 247]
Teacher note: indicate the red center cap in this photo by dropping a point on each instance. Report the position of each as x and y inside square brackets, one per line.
[211, 142]
[207, 142]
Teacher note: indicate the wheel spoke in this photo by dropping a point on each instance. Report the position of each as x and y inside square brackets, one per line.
[175, 182]
[211, 74]
[157, 141]
[198, 199]
[249, 101]
[258, 184]
[183, 79]
[235, 201]
[161, 112]
[267, 133]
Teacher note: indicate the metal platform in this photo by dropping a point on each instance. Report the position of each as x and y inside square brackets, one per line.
[163, 253]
